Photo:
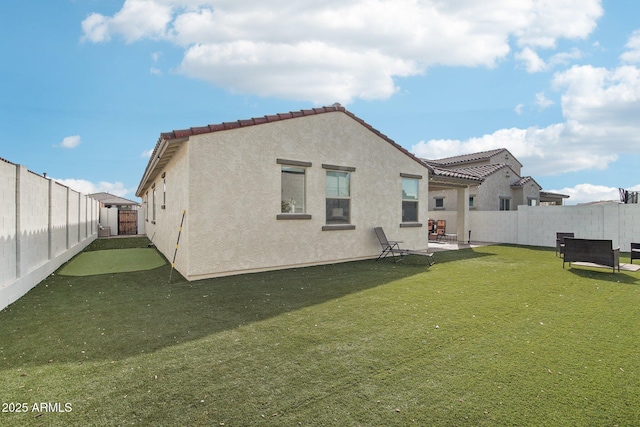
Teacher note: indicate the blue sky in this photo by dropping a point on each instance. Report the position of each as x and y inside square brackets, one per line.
[87, 86]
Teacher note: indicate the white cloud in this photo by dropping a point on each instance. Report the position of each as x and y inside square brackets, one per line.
[532, 62]
[518, 109]
[70, 142]
[95, 28]
[585, 193]
[136, 20]
[601, 108]
[87, 187]
[632, 56]
[339, 50]
[542, 102]
[551, 20]
[147, 153]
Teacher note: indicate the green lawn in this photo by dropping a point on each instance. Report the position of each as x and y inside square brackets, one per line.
[495, 336]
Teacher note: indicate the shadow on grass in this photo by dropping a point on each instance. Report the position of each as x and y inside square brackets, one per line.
[442, 257]
[604, 274]
[115, 316]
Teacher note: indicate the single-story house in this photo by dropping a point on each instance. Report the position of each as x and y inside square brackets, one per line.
[287, 190]
[502, 187]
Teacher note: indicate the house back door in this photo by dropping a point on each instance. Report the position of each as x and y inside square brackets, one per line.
[128, 222]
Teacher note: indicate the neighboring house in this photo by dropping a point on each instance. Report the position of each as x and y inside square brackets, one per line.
[118, 216]
[552, 199]
[503, 187]
[288, 190]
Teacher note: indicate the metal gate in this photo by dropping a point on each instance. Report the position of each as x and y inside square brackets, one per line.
[127, 222]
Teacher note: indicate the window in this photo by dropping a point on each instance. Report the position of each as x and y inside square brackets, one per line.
[471, 200]
[439, 202]
[409, 200]
[532, 201]
[338, 191]
[293, 190]
[505, 203]
[146, 206]
[164, 192]
[153, 212]
[293, 196]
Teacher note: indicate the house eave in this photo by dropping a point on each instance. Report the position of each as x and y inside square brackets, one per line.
[164, 151]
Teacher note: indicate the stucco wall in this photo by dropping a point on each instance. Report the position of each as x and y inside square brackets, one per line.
[234, 197]
[164, 229]
[487, 195]
[43, 224]
[508, 159]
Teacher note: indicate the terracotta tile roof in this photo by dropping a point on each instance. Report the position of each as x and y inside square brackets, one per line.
[483, 171]
[181, 134]
[456, 173]
[522, 181]
[468, 158]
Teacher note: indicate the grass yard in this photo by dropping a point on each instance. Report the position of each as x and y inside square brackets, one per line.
[494, 336]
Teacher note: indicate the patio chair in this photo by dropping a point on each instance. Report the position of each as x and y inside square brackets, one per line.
[391, 247]
[560, 241]
[441, 226]
[431, 230]
[635, 251]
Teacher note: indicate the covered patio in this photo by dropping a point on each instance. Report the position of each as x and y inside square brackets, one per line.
[443, 179]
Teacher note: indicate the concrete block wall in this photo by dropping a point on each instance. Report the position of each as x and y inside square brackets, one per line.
[537, 225]
[494, 226]
[43, 225]
[7, 223]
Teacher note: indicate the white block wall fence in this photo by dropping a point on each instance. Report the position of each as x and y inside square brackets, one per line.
[537, 225]
[43, 225]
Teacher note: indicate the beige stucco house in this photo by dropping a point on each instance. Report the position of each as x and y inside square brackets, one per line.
[287, 190]
[503, 187]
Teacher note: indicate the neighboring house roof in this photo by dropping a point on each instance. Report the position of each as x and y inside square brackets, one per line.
[169, 142]
[483, 171]
[110, 199]
[468, 158]
[555, 195]
[525, 180]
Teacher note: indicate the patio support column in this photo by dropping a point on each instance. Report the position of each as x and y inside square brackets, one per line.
[462, 229]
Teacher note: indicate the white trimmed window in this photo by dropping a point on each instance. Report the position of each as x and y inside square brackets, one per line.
[338, 191]
[409, 199]
[293, 189]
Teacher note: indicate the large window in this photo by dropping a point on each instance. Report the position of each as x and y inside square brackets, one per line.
[338, 192]
[409, 200]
